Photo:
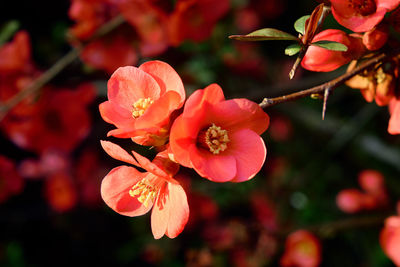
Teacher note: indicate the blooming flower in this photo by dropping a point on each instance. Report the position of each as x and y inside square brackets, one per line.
[220, 138]
[361, 15]
[378, 84]
[141, 101]
[321, 59]
[302, 249]
[133, 193]
[390, 238]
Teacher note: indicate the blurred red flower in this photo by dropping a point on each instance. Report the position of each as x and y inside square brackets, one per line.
[11, 182]
[390, 238]
[394, 122]
[141, 101]
[220, 138]
[195, 19]
[302, 249]
[60, 120]
[321, 59]
[361, 16]
[61, 192]
[133, 193]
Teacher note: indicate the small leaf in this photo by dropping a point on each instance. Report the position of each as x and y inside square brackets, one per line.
[8, 30]
[265, 35]
[331, 45]
[300, 24]
[293, 49]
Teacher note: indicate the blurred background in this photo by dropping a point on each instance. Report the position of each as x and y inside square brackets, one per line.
[52, 164]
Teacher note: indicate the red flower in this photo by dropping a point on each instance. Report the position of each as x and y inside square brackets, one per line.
[376, 38]
[195, 19]
[61, 192]
[150, 23]
[141, 100]
[302, 249]
[133, 193]
[350, 200]
[220, 138]
[54, 124]
[16, 55]
[394, 122]
[109, 53]
[361, 15]
[390, 238]
[321, 59]
[11, 182]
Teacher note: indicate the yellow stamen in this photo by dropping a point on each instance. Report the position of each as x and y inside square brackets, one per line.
[144, 191]
[215, 139]
[140, 106]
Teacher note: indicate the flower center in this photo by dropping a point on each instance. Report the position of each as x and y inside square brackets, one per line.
[214, 138]
[144, 191]
[363, 7]
[140, 106]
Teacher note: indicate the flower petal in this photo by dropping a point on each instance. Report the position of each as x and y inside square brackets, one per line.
[116, 152]
[249, 150]
[112, 113]
[394, 121]
[115, 191]
[212, 94]
[165, 76]
[171, 212]
[129, 84]
[239, 113]
[216, 168]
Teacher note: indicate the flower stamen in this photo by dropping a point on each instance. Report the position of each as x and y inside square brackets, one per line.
[140, 106]
[214, 138]
[144, 191]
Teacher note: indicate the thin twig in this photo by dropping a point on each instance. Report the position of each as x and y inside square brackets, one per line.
[331, 85]
[61, 64]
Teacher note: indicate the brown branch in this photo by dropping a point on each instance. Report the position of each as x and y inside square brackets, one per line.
[331, 85]
[61, 64]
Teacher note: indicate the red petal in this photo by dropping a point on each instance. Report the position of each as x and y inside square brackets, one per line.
[394, 122]
[249, 150]
[115, 191]
[216, 168]
[129, 84]
[170, 213]
[165, 76]
[118, 153]
[113, 113]
[239, 114]
[212, 94]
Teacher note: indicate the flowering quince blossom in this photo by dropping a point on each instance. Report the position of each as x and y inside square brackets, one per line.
[141, 101]
[390, 238]
[302, 249]
[133, 193]
[361, 15]
[320, 59]
[220, 138]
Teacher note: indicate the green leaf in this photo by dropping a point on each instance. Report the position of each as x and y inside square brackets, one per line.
[300, 24]
[293, 49]
[8, 30]
[265, 35]
[331, 45]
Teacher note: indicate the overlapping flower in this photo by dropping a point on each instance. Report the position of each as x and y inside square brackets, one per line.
[218, 138]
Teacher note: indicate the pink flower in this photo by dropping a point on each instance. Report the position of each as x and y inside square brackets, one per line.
[394, 121]
[361, 15]
[321, 59]
[141, 101]
[220, 138]
[133, 193]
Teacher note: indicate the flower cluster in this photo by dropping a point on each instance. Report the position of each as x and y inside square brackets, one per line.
[218, 138]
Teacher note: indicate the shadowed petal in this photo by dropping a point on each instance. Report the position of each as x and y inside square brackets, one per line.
[115, 191]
